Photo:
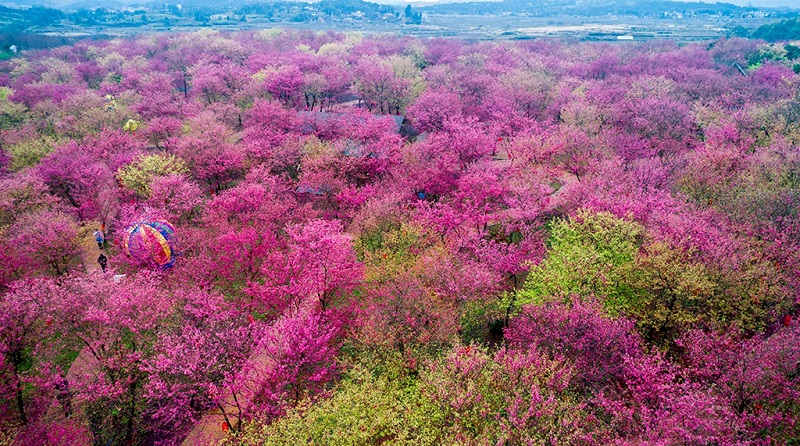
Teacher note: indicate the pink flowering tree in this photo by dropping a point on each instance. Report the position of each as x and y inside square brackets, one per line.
[48, 240]
[755, 379]
[297, 359]
[212, 159]
[318, 267]
[508, 396]
[78, 178]
[196, 363]
[115, 322]
[177, 196]
[268, 127]
[242, 227]
[25, 324]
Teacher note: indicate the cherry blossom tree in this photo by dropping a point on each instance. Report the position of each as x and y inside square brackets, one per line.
[318, 267]
[48, 240]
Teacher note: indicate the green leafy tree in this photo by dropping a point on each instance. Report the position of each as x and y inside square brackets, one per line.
[590, 254]
[12, 114]
[667, 289]
[137, 175]
[367, 408]
[676, 292]
[29, 153]
[783, 30]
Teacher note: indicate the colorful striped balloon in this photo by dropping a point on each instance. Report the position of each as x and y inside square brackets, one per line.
[152, 242]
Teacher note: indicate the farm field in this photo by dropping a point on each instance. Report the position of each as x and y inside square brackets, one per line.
[478, 27]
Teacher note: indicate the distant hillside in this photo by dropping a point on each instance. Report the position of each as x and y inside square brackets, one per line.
[588, 8]
[783, 30]
[92, 4]
[24, 18]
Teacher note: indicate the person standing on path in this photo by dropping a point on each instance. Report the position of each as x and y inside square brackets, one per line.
[103, 261]
[64, 396]
[98, 236]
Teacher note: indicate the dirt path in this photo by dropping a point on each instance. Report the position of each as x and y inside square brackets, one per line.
[84, 363]
[557, 198]
[90, 251]
[210, 429]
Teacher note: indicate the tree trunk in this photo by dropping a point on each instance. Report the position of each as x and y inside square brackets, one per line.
[131, 414]
[21, 404]
[16, 359]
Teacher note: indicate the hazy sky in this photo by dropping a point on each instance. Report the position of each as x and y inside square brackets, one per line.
[762, 3]
[773, 3]
[791, 3]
